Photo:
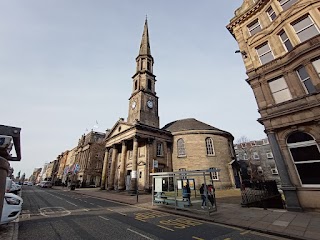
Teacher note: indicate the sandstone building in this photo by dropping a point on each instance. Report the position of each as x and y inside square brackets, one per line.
[89, 156]
[280, 45]
[138, 146]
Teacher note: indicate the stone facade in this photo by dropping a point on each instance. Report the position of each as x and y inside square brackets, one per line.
[63, 159]
[258, 159]
[89, 156]
[280, 45]
[195, 155]
[137, 147]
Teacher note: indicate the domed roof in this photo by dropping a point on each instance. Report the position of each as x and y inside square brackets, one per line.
[189, 124]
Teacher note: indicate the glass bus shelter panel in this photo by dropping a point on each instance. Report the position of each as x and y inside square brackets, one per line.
[164, 191]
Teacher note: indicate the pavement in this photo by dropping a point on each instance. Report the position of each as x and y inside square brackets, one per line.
[278, 222]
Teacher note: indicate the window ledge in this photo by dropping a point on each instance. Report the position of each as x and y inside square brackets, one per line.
[182, 156]
[213, 155]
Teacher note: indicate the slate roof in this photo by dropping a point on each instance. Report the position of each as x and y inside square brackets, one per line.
[190, 124]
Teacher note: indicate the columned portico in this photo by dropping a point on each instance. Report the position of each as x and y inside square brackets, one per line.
[113, 167]
[121, 181]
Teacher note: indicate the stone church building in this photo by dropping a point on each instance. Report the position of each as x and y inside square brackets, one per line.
[138, 146]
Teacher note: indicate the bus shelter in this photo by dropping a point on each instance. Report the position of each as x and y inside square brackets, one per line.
[188, 190]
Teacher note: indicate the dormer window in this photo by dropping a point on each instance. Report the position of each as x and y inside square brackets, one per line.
[254, 27]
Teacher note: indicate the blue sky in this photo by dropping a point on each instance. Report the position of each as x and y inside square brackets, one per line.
[66, 63]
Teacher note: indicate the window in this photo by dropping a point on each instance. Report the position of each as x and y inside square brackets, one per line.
[305, 28]
[140, 174]
[305, 79]
[181, 148]
[214, 175]
[148, 66]
[135, 85]
[285, 4]
[265, 141]
[253, 144]
[245, 156]
[316, 65]
[269, 155]
[279, 90]
[306, 156]
[274, 171]
[254, 27]
[209, 147]
[285, 41]
[264, 53]
[272, 15]
[149, 84]
[255, 155]
[159, 149]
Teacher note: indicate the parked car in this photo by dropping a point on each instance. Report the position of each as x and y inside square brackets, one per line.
[12, 206]
[15, 188]
[30, 183]
[46, 184]
[25, 183]
[8, 184]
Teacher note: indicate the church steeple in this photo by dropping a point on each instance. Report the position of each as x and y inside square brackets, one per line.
[143, 102]
[145, 45]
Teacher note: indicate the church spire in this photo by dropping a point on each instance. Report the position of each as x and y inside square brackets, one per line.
[145, 45]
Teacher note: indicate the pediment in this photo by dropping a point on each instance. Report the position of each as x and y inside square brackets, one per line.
[119, 127]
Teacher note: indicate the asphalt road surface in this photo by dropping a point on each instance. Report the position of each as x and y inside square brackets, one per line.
[62, 214]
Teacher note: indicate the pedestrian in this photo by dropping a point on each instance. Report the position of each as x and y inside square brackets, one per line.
[186, 193]
[211, 191]
[203, 195]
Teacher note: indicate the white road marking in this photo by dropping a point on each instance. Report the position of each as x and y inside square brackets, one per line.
[139, 234]
[72, 203]
[99, 206]
[87, 210]
[103, 218]
[123, 214]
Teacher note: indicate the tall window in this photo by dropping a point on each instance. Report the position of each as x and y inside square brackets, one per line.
[159, 149]
[279, 90]
[148, 66]
[181, 148]
[305, 79]
[316, 65]
[264, 53]
[285, 4]
[149, 84]
[306, 156]
[135, 85]
[272, 15]
[305, 28]
[209, 147]
[285, 41]
[254, 27]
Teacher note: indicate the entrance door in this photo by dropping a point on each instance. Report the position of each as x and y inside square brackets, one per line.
[128, 180]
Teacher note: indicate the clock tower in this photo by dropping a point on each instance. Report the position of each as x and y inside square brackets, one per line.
[143, 102]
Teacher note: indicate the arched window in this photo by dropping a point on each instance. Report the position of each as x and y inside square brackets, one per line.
[210, 147]
[135, 85]
[306, 156]
[148, 66]
[149, 84]
[181, 148]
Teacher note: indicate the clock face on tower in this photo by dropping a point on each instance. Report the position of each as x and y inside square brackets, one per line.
[134, 104]
[150, 104]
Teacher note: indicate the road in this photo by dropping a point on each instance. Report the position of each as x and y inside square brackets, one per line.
[62, 214]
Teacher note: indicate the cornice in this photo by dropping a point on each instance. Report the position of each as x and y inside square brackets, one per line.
[246, 15]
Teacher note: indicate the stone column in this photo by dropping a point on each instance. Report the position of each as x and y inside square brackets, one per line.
[113, 168]
[121, 182]
[105, 170]
[289, 190]
[134, 176]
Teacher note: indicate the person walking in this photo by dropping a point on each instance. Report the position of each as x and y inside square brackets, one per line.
[211, 191]
[203, 195]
